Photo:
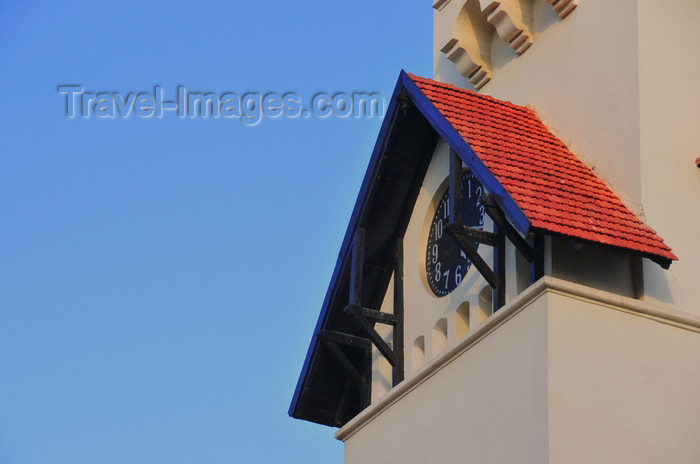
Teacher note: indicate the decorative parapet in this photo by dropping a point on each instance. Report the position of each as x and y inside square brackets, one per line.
[468, 64]
[508, 17]
[563, 7]
[469, 44]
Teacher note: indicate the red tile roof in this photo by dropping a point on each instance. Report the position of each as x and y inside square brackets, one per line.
[553, 188]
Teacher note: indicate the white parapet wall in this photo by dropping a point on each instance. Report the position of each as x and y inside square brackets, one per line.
[562, 374]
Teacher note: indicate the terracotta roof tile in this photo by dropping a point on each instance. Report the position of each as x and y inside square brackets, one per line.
[554, 189]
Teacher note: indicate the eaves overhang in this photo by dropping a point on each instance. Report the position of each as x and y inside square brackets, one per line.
[384, 204]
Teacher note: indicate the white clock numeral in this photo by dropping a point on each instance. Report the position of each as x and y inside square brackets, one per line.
[434, 252]
[438, 230]
[438, 274]
[458, 275]
[447, 278]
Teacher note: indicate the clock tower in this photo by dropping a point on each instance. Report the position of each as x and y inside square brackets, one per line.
[500, 295]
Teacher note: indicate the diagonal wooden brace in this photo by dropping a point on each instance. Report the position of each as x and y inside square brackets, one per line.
[338, 354]
[373, 315]
[378, 341]
[499, 218]
[344, 339]
[330, 340]
[476, 259]
[471, 234]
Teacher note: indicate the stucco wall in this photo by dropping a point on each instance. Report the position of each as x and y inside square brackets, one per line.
[669, 67]
[562, 374]
[494, 392]
[622, 386]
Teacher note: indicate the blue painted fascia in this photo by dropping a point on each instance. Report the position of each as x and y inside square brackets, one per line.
[360, 204]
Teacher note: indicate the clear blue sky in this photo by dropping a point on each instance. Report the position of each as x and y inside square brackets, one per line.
[160, 278]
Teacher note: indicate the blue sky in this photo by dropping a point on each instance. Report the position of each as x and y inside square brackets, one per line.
[160, 278]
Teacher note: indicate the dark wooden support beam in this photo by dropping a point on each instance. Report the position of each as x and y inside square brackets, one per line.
[455, 201]
[637, 276]
[505, 227]
[472, 234]
[330, 340]
[405, 102]
[366, 397]
[398, 371]
[344, 339]
[370, 331]
[499, 259]
[343, 402]
[338, 354]
[357, 267]
[537, 265]
[373, 315]
[476, 259]
[367, 317]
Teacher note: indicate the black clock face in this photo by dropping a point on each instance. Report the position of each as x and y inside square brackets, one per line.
[445, 263]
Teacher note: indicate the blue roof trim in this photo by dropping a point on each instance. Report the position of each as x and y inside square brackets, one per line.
[465, 152]
[362, 196]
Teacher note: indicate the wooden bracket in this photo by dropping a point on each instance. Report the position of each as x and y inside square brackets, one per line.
[369, 330]
[331, 339]
[466, 245]
[372, 315]
[537, 265]
[500, 220]
[367, 317]
[455, 188]
[398, 372]
[472, 234]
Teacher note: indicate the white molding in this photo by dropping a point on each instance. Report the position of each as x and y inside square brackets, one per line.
[563, 7]
[647, 310]
[472, 36]
[468, 64]
[518, 39]
[511, 29]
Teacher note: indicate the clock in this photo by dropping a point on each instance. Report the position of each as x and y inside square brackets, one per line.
[445, 262]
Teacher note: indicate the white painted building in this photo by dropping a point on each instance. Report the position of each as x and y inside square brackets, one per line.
[591, 354]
